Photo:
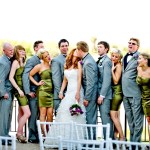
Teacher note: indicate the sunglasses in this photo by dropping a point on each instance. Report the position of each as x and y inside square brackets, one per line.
[132, 43]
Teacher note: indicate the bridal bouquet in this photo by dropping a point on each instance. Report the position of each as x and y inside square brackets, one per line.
[75, 109]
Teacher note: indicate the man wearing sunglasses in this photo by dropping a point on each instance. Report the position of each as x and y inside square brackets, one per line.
[131, 91]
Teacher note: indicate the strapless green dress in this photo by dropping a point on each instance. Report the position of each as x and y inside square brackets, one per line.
[45, 92]
[117, 97]
[23, 101]
[145, 89]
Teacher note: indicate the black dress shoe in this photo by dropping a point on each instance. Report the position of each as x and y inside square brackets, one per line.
[8, 142]
[33, 141]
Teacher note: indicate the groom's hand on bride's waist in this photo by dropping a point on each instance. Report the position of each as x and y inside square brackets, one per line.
[85, 103]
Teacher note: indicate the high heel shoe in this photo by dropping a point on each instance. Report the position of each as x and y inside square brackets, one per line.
[121, 145]
[21, 138]
[123, 139]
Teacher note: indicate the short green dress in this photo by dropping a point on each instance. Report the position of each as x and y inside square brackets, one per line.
[117, 97]
[23, 101]
[45, 92]
[145, 89]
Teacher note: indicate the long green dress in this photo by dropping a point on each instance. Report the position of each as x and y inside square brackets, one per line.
[45, 92]
[23, 101]
[145, 89]
[117, 97]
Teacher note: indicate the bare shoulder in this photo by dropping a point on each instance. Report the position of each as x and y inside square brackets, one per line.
[79, 64]
[15, 63]
[119, 66]
[139, 69]
[38, 66]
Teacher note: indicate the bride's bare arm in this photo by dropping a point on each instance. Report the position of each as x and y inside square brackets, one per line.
[79, 82]
[64, 84]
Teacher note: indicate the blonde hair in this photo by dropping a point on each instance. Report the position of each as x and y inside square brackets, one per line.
[83, 46]
[40, 52]
[114, 50]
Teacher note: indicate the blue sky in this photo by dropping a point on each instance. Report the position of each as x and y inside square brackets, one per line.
[112, 20]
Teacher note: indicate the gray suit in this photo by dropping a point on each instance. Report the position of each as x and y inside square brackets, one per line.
[57, 77]
[5, 87]
[105, 89]
[89, 83]
[33, 103]
[132, 98]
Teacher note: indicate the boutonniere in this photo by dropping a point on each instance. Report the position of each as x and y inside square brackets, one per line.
[81, 62]
[100, 63]
[135, 56]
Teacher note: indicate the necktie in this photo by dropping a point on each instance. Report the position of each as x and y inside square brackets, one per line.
[129, 54]
[99, 59]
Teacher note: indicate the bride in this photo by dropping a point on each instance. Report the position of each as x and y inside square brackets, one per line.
[74, 93]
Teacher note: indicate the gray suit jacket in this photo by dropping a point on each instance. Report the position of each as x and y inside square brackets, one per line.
[27, 85]
[105, 77]
[129, 74]
[57, 73]
[90, 78]
[5, 84]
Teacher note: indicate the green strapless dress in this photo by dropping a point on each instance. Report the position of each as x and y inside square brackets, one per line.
[23, 101]
[145, 89]
[45, 92]
[117, 97]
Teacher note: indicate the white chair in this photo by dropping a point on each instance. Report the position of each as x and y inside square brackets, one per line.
[5, 147]
[89, 133]
[123, 145]
[92, 132]
[55, 129]
[83, 144]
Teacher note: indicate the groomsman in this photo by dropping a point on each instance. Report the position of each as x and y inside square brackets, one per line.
[89, 82]
[104, 85]
[6, 96]
[58, 70]
[30, 90]
[131, 91]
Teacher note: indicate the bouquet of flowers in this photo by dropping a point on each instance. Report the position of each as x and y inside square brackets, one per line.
[75, 109]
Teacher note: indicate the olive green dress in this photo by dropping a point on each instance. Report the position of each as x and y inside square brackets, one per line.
[23, 101]
[45, 92]
[145, 89]
[117, 97]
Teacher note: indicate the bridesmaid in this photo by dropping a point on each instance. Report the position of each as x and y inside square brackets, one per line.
[116, 57]
[143, 79]
[45, 89]
[15, 78]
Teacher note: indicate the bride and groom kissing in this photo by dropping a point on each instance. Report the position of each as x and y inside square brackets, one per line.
[80, 79]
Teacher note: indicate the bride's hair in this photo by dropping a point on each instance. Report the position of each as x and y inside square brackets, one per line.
[69, 59]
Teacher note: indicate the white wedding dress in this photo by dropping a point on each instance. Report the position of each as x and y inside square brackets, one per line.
[63, 113]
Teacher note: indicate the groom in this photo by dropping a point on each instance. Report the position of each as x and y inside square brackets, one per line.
[89, 81]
